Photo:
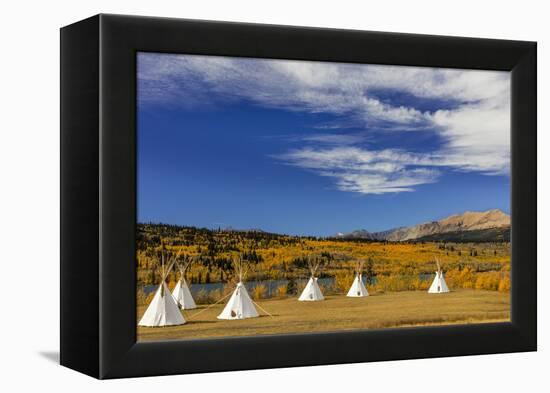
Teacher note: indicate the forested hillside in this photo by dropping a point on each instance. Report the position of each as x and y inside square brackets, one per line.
[392, 265]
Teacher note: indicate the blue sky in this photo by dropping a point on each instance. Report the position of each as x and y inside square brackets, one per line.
[313, 148]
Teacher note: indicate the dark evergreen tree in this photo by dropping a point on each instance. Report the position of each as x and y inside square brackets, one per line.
[291, 287]
[369, 271]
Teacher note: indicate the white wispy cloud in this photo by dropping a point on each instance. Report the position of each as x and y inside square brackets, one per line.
[364, 171]
[477, 137]
[474, 132]
[302, 86]
[333, 139]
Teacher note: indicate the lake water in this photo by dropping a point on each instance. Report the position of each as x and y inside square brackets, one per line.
[271, 285]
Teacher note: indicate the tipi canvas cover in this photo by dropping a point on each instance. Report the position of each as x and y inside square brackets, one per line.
[239, 305]
[182, 295]
[163, 310]
[358, 289]
[438, 285]
[311, 292]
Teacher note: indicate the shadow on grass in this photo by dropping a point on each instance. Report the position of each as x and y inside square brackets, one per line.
[269, 316]
[191, 321]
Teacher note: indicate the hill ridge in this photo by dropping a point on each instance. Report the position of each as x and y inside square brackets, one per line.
[456, 223]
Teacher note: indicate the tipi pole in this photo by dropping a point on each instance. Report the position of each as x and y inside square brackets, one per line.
[168, 271]
[261, 308]
[212, 305]
[437, 262]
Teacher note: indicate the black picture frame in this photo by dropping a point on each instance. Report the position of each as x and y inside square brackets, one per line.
[98, 195]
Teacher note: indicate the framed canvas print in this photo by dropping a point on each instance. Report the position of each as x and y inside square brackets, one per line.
[239, 196]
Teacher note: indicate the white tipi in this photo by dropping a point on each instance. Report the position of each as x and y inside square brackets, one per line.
[357, 288]
[163, 310]
[438, 285]
[312, 292]
[181, 293]
[240, 305]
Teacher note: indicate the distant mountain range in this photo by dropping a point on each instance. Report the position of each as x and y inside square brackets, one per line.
[491, 225]
[231, 229]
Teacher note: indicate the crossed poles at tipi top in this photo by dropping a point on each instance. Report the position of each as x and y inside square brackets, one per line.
[181, 293]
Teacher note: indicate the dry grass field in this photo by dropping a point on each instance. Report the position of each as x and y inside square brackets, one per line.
[337, 313]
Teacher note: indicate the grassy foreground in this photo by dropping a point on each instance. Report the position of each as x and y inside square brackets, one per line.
[391, 309]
